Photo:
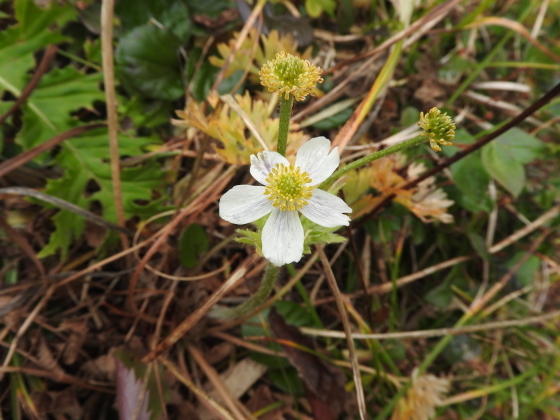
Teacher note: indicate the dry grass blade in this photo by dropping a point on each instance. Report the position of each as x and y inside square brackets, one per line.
[200, 394]
[107, 9]
[191, 211]
[517, 27]
[438, 332]
[347, 331]
[236, 408]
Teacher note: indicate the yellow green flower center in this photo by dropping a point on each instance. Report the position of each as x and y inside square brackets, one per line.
[287, 187]
[290, 75]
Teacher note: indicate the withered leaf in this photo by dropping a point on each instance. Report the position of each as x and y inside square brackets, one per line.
[324, 383]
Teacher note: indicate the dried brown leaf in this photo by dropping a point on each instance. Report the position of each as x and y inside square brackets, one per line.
[324, 383]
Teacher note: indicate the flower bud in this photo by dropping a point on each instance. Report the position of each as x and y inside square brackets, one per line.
[439, 127]
[288, 74]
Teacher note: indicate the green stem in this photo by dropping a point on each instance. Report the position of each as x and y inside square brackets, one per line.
[284, 125]
[269, 279]
[374, 156]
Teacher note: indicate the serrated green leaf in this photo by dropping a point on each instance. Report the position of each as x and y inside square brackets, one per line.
[19, 42]
[192, 242]
[508, 172]
[147, 58]
[85, 161]
[47, 111]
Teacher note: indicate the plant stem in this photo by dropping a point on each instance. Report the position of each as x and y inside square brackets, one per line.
[269, 279]
[374, 156]
[284, 125]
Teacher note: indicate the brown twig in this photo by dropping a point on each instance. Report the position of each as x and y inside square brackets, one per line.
[197, 315]
[191, 211]
[41, 70]
[107, 9]
[23, 158]
[347, 332]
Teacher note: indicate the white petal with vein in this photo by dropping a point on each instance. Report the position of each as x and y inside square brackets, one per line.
[282, 237]
[327, 209]
[314, 158]
[244, 204]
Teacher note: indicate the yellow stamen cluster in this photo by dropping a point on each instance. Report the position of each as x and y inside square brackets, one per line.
[439, 127]
[288, 74]
[287, 187]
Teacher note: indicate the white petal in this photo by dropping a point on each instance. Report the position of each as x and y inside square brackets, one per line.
[244, 204]
[314, 158]
[282, 237]
[262, 164]
[327, 209]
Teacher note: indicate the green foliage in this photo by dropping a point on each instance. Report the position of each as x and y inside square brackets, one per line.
[32, 32]
[147, 59]
[315, 8]
[318, 235]
[335, 121]
[85, 161]
[505, 156]
[48, 110]
[52, 108]
[192, 242]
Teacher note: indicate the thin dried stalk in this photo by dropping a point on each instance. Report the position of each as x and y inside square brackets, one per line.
[111, 99]
[347, 331]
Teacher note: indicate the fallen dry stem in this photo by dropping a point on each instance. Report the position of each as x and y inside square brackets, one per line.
[437, 332]
[203, 397]
[347, 331]
[107, 9]
[232, 403]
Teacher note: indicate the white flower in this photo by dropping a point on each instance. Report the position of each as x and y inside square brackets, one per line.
[287, 190]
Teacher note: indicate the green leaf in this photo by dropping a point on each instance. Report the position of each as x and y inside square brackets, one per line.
[479, 245]
[409, 116]
[85, 163]
[525, 275]
[192, 243]
[148, 60]
[34, 20]
[470, 177]
[314, 8]
[294, 313]
[519, 145]
[335, 121]
[19, 42]
[172, 15]
[508, 172]
[47, 111]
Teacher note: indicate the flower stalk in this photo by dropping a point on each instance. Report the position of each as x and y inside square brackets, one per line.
[374, 156]
[269, 278]
[284, 124]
